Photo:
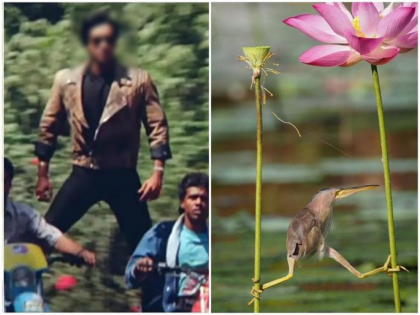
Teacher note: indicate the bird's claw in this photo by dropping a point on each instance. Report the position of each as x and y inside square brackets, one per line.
[255, 292]
[252, 301]
[390, 270]
[255, 295]
[403, 268]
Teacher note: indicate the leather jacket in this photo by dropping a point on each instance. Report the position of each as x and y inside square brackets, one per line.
[133, 100]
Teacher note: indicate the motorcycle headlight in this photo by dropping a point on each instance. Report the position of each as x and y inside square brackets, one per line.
[28, 302]
[34, 306]
[23, 277]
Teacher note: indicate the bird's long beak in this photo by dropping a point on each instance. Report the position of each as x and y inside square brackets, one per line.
[345, 192]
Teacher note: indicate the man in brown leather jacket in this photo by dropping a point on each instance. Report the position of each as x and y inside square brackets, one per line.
[105, 105]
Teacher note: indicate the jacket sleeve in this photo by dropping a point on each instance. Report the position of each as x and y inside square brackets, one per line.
[148, 247]
[52, 121]
[154, 121]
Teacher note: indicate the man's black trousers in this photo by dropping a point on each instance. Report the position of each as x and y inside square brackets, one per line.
[118, 188]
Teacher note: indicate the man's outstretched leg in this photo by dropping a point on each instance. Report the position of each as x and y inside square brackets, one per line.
[78, 193]
[123, 197]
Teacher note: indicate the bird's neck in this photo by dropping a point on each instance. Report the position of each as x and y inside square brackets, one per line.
[323, 212]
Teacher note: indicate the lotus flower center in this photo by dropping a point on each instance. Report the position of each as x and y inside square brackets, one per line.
[357, 27]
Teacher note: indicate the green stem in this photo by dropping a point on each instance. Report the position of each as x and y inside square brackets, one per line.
[258, 181]
[385, 162]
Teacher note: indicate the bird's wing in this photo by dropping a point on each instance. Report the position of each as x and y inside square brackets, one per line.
[304, 235]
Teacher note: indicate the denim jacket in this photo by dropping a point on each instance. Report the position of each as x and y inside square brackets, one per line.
[161, 243]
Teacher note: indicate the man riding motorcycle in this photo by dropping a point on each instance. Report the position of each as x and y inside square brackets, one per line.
[183, 242]
[22, 224]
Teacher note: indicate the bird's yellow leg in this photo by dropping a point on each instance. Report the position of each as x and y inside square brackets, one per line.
[331, 252]
[278, 281]
[385, 268]
[270, 284]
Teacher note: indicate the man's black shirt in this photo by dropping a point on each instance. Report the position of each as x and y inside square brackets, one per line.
[94, 96]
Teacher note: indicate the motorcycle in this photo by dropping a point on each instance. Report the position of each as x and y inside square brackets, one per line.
[201, 305]
[24, 265]
[195, 291]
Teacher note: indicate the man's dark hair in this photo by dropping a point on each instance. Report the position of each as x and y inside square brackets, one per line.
[96, 19]
[192, 180]
[9, 168]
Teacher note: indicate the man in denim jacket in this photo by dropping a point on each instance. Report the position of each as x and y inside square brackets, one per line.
[183, 242]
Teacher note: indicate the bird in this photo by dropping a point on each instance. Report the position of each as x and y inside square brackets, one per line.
[308, 232]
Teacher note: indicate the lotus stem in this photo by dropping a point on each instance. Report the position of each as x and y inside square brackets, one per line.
[256, 58]
[258, 184]
[388, 191]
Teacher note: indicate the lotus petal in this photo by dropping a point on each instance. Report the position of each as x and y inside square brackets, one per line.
[379, 6]
[326, 55]
[364, 45]
[382, 55]
[368, 16]
[338, 21]
[407, 41]
[392, 24]
[342, 7]
[354, 58]
[315, 27]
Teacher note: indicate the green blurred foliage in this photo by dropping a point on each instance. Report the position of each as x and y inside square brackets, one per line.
[168, 40]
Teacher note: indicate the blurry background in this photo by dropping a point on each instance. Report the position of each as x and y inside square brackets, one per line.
[168, 40]
[334, 105]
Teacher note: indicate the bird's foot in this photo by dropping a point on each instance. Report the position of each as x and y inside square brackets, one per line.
[255, 292]
[389, 270]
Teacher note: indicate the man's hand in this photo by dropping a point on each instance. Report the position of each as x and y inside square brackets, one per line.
[44, 189]
[66, 245]
[143, 265]
[150, 190]
[88, 257]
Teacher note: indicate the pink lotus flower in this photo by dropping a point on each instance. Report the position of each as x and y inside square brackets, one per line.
[371, 32]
